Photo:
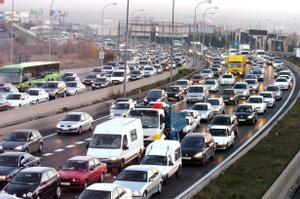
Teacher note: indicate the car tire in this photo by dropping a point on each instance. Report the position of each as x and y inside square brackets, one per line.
[58, 192]
[40, 150]
[144, 195]
[159, 188]
[227, 148]
[203, 160]
[79, 130]
[37, 102]
[76, 93]
[213, 155]
[91, 127]
[165, 181]
[101, 178]
[139, 158]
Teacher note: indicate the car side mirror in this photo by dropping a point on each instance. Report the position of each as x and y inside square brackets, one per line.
[125, 147]
[87, 145]
[171, 163]
[92, 168]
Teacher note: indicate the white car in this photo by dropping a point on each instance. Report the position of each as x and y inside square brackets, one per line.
[227, 79]
[74, 88]
[223, 137]
[205, 110]
[118, 77]
[121, 109]
[149, 71]
[258, 103]
[75, 122]
[106, 190]
[191, 124]
[207, 73]
[242, 89]
[269, 98]
[18, 99]
[38, 95]
[107, 68]
[283, 83]
[217, 104]
[277, 63]
[184, 83]
[143, 180]
[212, 85]
[158, 68]
[194, 114]
[197, 93]
[253, 84]
[275, 90]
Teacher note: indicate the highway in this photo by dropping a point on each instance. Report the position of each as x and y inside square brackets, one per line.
[59, 148]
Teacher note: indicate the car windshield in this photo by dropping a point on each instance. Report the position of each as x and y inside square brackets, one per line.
[26, 178]
[195, 89]
[135, 72]
[153, 95]
[197, 77]
[118, 74]
[148, 68]
[71, 84]
[200, 107]
[250, 81]
[67, 75]
[255, 100]
[223, 121]
[134, 176]
[206, 71]
[76, 165]
[149, 118]
[173, 89]
[121, 106]
[240, 86]
[69, 79]
[72, 117]
[13, 97]
[91, 76]
[4, 89]
[246, 109]
[272, 88]
[33, 92]
[50, 85]
[257, 72]
[210, 82]
[218, 132]
[107, 68]
[9, 161]
[214, 102]
[193, 142]
[227, 77]
[95, 194]
[101, 80]
[106, 141]
[182, 83]
[250, 77]
[266, 95]
[155, 160]
[17, 137]
[38, 85]
[278, 61]
[281, 80]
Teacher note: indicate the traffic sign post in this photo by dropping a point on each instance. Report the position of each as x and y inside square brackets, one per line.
[101, 57]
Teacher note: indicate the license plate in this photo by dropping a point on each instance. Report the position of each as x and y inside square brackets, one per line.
[242, 120]
[186, 158]
[65, 183]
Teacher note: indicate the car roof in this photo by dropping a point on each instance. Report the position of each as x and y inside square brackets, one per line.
[81, 158]
[103, 186]
[139, 168]
[36, 169]
[75, 113]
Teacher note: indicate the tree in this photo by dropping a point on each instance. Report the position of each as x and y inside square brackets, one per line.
[109, 56]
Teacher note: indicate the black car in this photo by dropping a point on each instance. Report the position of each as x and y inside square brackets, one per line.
[135, 75]
[101, 82]
[156, 95]
[35, 182]
[27, 140]
[246, 113]
[175, 92]
[229, 121]
[12, 162]
[230, 96]
[90, 78]
[198, 147]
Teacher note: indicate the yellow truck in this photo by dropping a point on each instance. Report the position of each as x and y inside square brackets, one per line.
[236, 64]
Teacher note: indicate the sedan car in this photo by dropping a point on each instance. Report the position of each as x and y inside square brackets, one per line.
[156, 95]
[121, 109]
[75, 122]
[230, 96]
[101, 82]
[205, 110]
[229, 121]
[207, 73]
[223, 137]
[217, 104]
[184, 83]
[253, 84]
[27, 140]
[258, 103]
[283, 83]
[81, 171]
[197, 79]
[135, 75]
[38, 95]
[90, 78]
[105, 190]
[74, 88]
[275, 90]
[18, 99]
[175, 92]
[227, 79]
[197, 93]
[212, 85]
[149, 71]
[269, 98]
[198, 147]
[13, 162]
[246, 113]
[242, 89]
[142, 180]
[158, 68]
[35, 182]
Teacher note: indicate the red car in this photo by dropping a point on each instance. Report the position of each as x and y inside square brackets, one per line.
[80, 171]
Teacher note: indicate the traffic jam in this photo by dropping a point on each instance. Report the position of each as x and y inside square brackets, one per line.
[146, 143]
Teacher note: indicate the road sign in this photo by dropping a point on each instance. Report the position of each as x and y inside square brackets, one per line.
[36, 12]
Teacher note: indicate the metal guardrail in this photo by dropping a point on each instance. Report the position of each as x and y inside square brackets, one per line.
[263, 132]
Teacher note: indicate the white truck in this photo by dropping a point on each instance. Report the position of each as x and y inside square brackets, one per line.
[244, 49]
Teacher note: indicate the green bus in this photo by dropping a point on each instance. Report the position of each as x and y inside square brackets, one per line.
[26, 74]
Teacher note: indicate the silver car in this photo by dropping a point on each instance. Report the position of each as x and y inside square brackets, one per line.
[212, 85]
[74, 88]
[197, 93]
[75, 122]
[217, 104]
[142, 180]
[275, 90]
[242, 89]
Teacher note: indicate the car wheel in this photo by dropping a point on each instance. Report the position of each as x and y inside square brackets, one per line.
[91, 127]
[101, 178]
[86, 184]
[65, 94]
[227, 148]
[139, 158]
[253, 121]
[37, 102]
[144, 195]
[76, 93]
[79, 130]
[58, 133]
[213, 156]
[55, 96]
[159, 189]
[178, 172]
[40, 148]
[58, 192]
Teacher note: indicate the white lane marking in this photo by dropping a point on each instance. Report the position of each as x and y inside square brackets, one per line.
[47, 154]
[70, 146]
[59, 150]
[80, 142]
[101, 118]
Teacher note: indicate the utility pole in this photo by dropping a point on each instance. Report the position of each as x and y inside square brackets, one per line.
[12, 32]
[50, 32]
[118, 50]
[126, 49]
[172, 38]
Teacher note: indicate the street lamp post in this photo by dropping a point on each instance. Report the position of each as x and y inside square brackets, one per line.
[204, 26]
[194, 30]
[126, 49]
[50, 32]
[102, 18]
[12, 31]
[172, 38]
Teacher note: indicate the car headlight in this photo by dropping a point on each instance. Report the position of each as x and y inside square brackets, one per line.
[250, 117]
[1, 147]
[136, 193]
[231, 98]
[3, 178]
[58, 126]
[4, 192]
[176, 95]
[29, 194]
[19, 147]
[198, 155]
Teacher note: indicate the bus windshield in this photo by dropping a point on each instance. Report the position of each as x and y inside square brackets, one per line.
[10, 76]
[235, 64]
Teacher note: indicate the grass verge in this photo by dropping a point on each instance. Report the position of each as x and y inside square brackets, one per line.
[255, 172]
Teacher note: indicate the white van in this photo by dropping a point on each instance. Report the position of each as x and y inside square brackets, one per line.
[117, 142]
[165, 156]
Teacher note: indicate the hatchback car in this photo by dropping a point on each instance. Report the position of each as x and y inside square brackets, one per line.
[207, 73]
[35, 182]
[223, 137]
[205, 110]
[74, 88]
[217, 104]
[258, 103]
[81, 171]
[229, 121]
[246, 113]
[135, 75]
[38, 95]
[275, 90]
[184, 83]
[142, 180]
[75, 122]
[268, 98]
[212, 85]
[121, 109]
[198, 147]
[27, 140]
[283, 83]
[18, 99]
[242, 89]
[149, 71]
[253, 84]
[197, 79]
[175, 92]
[227, 79]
